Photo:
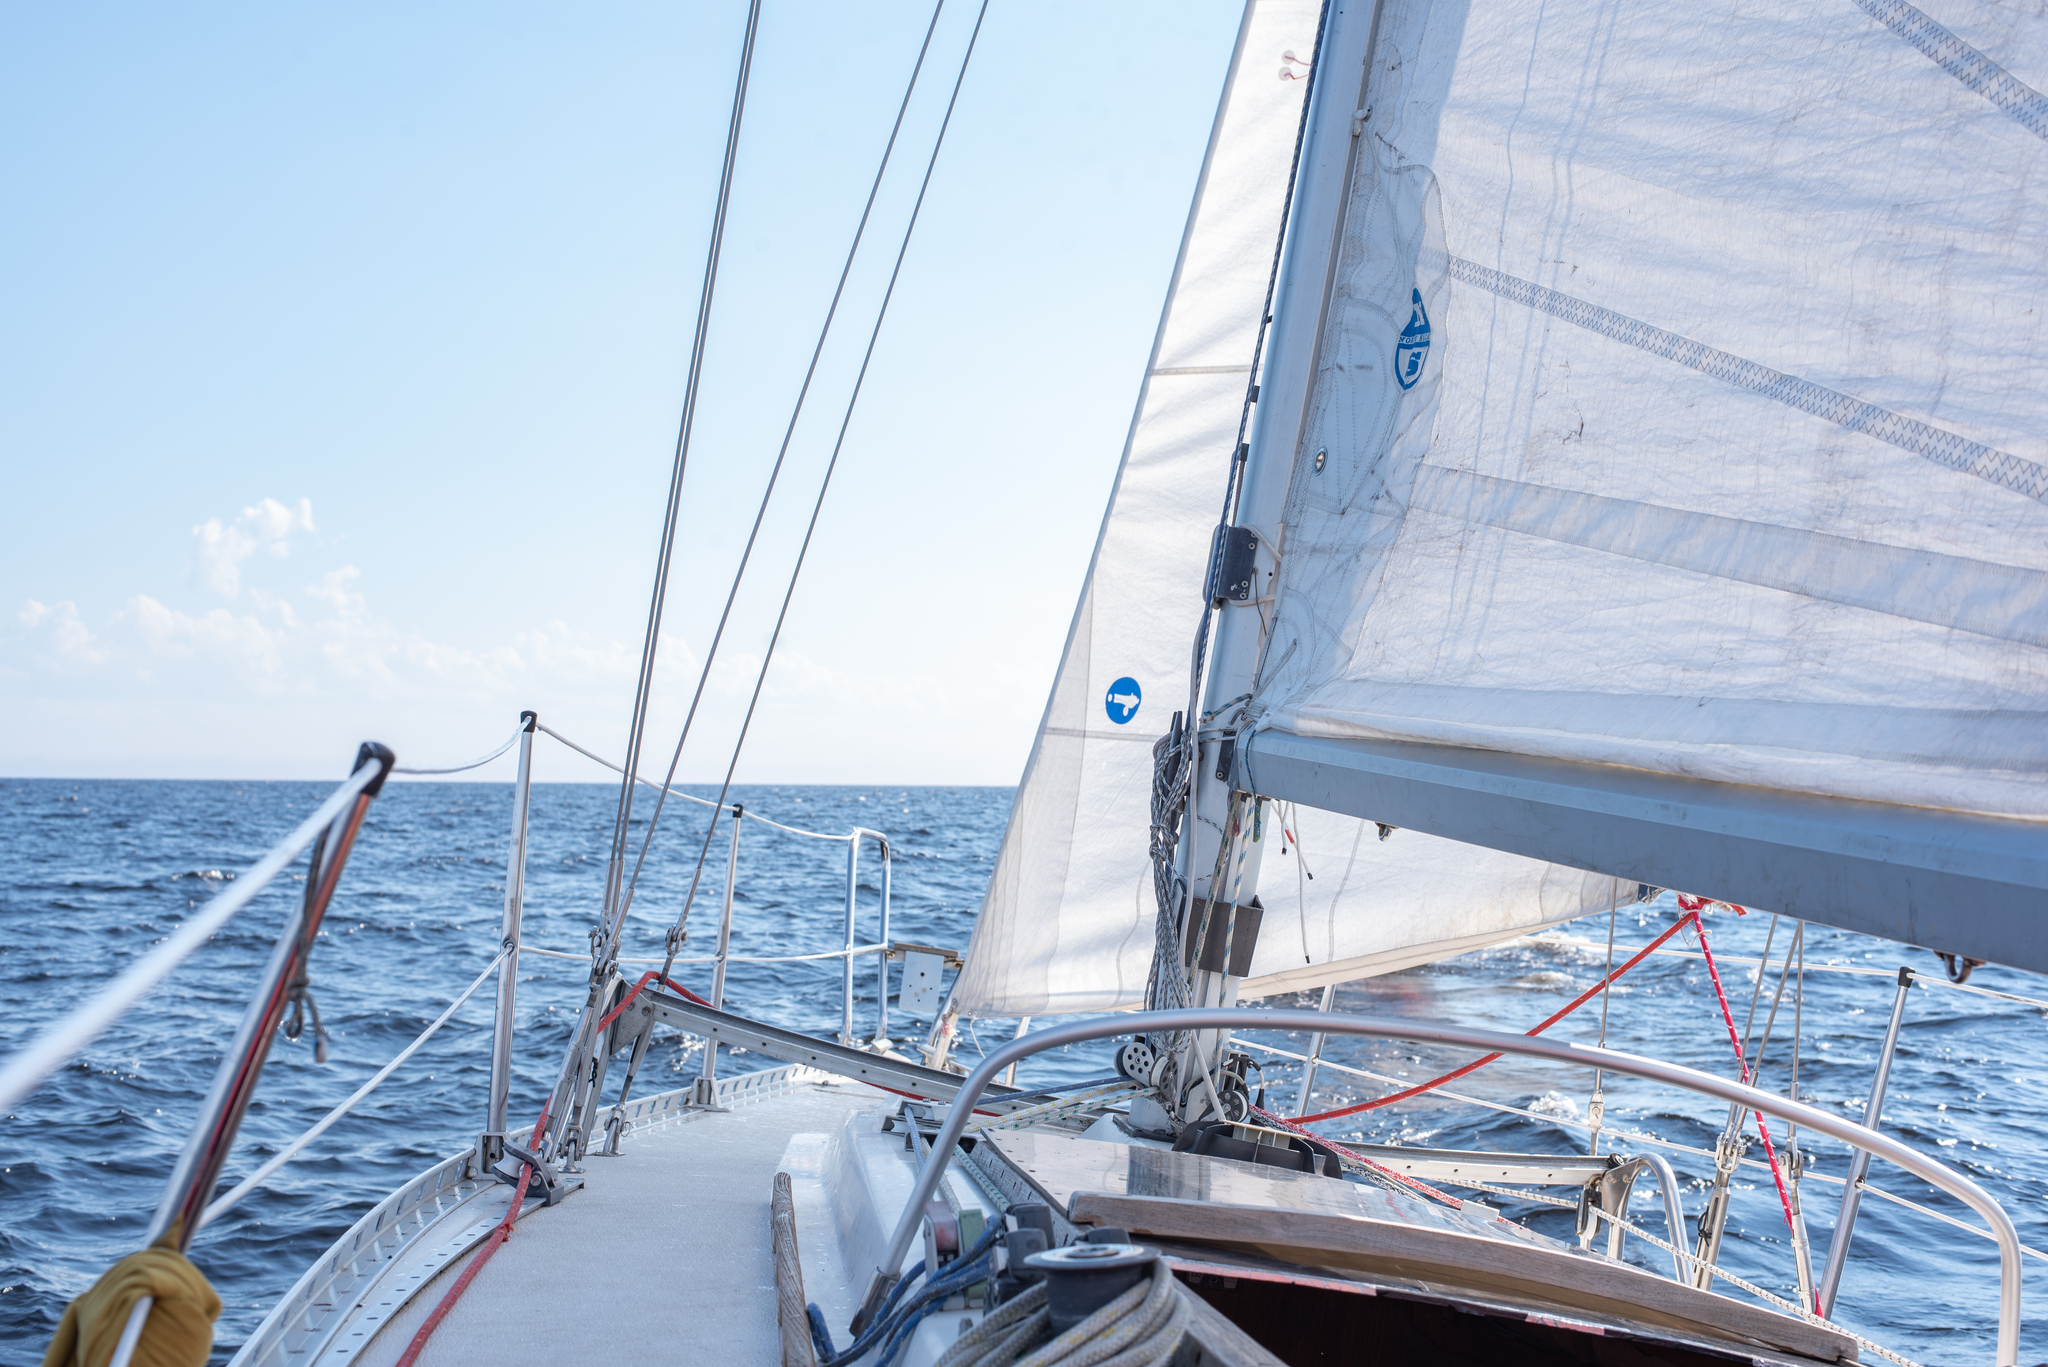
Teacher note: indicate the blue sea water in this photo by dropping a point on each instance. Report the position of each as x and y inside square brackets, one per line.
[92, 873]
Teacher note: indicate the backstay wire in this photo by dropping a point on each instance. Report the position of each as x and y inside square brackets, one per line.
[775, 473]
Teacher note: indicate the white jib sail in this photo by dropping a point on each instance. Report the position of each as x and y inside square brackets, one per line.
[1684, 395]
[1067, 923]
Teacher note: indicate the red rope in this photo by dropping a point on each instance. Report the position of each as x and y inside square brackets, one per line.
[645, 978]
[1770, 1152]
[492, 1243]
[1691, 917]
[498, 1236]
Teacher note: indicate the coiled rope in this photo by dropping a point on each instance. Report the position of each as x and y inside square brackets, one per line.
[1141, 1328]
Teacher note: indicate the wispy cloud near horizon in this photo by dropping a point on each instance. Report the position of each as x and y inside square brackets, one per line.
[268, 526]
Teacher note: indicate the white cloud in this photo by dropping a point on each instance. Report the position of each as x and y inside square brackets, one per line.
[220, 636]
[72, 639]
[287, 666]
[267, 527]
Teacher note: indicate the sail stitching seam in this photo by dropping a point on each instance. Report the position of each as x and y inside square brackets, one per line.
[1957, 452]
[2027, 106]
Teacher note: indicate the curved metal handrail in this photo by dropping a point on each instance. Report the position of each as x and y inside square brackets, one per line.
[1484, 1041]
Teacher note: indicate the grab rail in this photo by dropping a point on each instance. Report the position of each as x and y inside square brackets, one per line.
[1486, 1041]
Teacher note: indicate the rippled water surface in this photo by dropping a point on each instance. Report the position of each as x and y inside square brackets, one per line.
[94, 872]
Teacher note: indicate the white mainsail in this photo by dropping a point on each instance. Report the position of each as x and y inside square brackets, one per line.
[1683, 400]
[1067, 923]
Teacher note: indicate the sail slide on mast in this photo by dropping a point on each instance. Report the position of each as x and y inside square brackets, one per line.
[1706, 543]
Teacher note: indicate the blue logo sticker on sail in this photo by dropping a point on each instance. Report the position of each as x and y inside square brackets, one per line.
[1123, 699]
[1413, 348]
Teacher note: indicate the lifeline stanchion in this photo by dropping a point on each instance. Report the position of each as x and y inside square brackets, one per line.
[1859, 1163]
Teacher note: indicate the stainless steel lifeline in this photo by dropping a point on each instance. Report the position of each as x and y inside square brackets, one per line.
[1481, 1041]
[1859, 1162]
[846, 971]
[491, 1146]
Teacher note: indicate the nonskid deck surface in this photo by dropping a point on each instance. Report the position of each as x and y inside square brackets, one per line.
[664, 1252]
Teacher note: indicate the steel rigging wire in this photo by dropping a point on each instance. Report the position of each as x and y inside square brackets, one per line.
[1174, 780]
[825, 485]
[614, 908]
[675, 938]
[775, 474]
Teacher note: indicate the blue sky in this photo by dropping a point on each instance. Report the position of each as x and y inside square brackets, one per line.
[344, 347]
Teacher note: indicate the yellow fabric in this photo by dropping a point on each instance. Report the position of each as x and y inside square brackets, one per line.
[179, 1332]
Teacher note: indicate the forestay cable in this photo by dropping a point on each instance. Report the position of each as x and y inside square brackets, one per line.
[1174, 759]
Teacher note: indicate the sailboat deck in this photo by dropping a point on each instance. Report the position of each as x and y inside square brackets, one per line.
[664, 1248]
[667, 1247]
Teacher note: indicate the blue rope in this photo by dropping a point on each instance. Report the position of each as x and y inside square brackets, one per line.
[821, 1333]
[914, 1316]
[969, 1268]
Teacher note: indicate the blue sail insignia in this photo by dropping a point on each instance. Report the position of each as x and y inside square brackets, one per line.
[1121, 702]
[1413, 348]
